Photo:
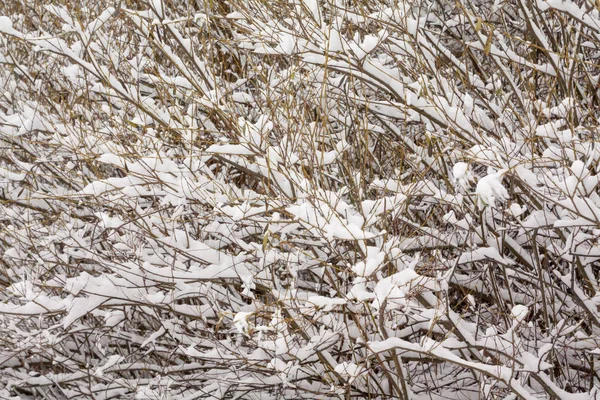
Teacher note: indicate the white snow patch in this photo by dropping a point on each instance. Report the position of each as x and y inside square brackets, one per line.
[462, 175]
[519, 312]
[490, 189]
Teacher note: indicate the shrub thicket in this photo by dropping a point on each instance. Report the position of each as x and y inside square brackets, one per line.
[299, 199]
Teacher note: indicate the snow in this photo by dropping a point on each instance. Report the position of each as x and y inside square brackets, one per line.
[343, 231]
[372, 263]
[325, 303]
[573, 9]
[114, 318]
[519, 312]
[6, 26]
[350, 370]
[240, 322]
[359, 291]
[313, 7]
[483, 254]
[78, 307]
[388, 295]
[517, 210]
[241, 97]
[152, 338]
[368, 44]
[490, 190]
[334, 43]
[100, 20]
[236, 149]
[157, 8]
[462, 175]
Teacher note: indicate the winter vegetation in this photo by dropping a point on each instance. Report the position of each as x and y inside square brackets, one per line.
[299, 199]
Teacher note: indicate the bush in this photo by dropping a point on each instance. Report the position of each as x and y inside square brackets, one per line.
[299, 199]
